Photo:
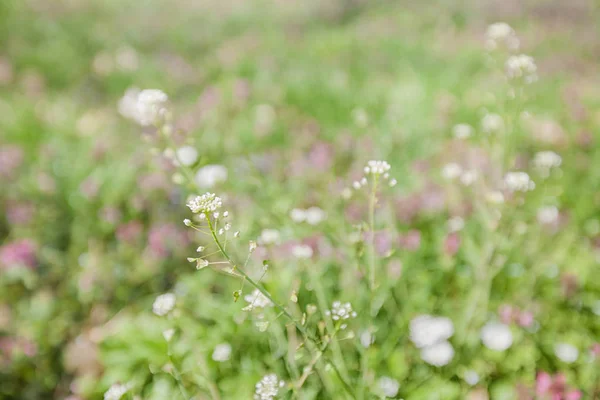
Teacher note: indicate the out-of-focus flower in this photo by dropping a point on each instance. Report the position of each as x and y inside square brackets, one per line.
[20, 253]
[168, 334]
[222, 352]
[455, 224]
[188, 155]
[544, 161]
[268, 387]
[127, 105]
[314, 215]
[426, 330]
[11, 158]
[116, 391]
[151, 106]
[269, 236]
[469, 177]
[163, 304]
[302, 251]
[521, 67]
[518, 182]
[211, 175]
[127, 59]
[164, 239]
[554, 387]
[438, 354]
[496, 336]
[451, 171]
[566, 352]
[547, 215]
[492, 123]
[256, 300]
[501, 35]
[411, 240]
[452, 243]
[129, 232]
[471, 377]
[388, 386]
[462, 131]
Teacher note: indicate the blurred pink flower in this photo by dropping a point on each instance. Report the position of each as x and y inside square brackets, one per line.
[525, 319]
[383, 242]
[18, 254]
[89, 188]
[321, 156]
[129, 232]
[19, 214]
[506, 313]
[554, 387]
[452, 243]
[110, 215]
[11, 157]
[411, 240]
[165, 238]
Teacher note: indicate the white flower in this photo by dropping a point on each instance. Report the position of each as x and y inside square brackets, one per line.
[462, 131]
[547, 215]
[298, 215]
[438, 354]
[128, 104]
[521, 67]
[451, 171]
[492, 123]
[496, 336]
[469, 177]
[116, 391]
[168, 334]
[314, 215]
[187, 155]
[163, 304]
[518, 182]
[341, 311]
[207, 203]
[456, 224]
[269, 236]
[471, 377]
[427, 330]
[566, 352]
[495, 197]
[151, 104]
[544, 161]
[222, 352]
[211, 175]
[256, 300]
[366, 338]
[389, 386]
[302, 251]
[268, 387]
[500, 34]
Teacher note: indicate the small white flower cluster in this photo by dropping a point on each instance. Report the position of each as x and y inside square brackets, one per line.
[268, 387]
[312, 215]
[341, 311]
[492, 123]
[518, 182]
[302, 251]
[547, 215]
[496, 336]
[205, 204]
[269, 236]
[116, 391]
[222, 352]
[187, 155]
[453, 171]
[462, 131]
[163, 304]
[256, 300]
[566, 352]
[146, 107]
[431, 334]
[388, 386]
[210, 175]
[375, 169]
[501, 35]
[544, 161]
[521, 67]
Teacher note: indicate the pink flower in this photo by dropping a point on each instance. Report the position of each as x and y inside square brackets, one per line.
[11, 158]
[383, 243]
[129, 232]
[506, 313]
[165, 238]
[411, 240]
[543, 383]
[525, 318]
[18, 254]
[452, 243]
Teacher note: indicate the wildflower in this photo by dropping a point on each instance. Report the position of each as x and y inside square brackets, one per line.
[187, 155]
[492, 123]
[252, 246]
[471, 377]
[462, 131]
[375, 169]
[566, 352]
[518, 182]
[211, 175]
[298, 215]
[222, 352]
[495, 197]
[438, 354]
[116, 391]
[20, 253]
[388, 386]
[268, 387]
[427, 330]
[207, 203]
[302, 251]
[469, 177]
[314, 215]
[269, 236]
[521, 67]
[544, 161]
[168, 334]
[187, 222]
[455, 224]
[496, 336]
[127, 105]
[451, 171]
[500, 34]
[163, 304]
[341, 311]
[547, 215]
[366, 339]
[256, 300]
[151, 104]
